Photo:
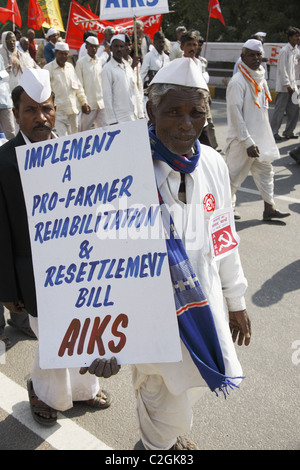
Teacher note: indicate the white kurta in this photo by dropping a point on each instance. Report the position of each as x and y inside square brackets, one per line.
[153, 60]
[122, 99]
[164, 390]
[249, 125]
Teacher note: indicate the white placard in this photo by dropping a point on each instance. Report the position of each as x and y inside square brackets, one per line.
[100, 262]
[116, 9]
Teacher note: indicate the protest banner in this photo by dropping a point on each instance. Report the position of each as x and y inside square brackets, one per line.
[52, 14]
[81, 20]
[99, 255]
[115, 9]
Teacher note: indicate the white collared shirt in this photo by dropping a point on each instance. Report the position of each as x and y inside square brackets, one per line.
[122, 100]
[153, 61]
[89, 72]
[67, 88]
[285, 74]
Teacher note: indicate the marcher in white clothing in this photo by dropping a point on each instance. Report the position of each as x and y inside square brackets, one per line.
[122, 99]
[286, 88]
[155, 59]
[49, 390]
[103, 51]
[166, 391]
[89, 72]
[12, 57]
[250, 144]
[67, 89]
[176, 51]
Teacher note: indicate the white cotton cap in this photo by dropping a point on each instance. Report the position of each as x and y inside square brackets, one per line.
[183, 71]
[36, 83]
[50, 32]
[61, 46]
[254, 45]
[261, 33]
[121, 37]
[92, 40]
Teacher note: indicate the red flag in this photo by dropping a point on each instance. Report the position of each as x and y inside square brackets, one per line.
[16, 17]
[215, 10]
[35, 15]
[5, 15]
[79, 22]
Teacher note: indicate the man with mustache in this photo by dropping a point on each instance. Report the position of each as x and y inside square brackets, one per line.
[49, 390]
[192, 182]
[250, 145]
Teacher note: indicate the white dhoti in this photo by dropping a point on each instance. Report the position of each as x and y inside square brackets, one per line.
[96, 119]
[165, 396]
[59, 388]
[239, 166]
[66, 125]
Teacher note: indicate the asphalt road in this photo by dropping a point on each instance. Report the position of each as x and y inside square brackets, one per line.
[264, 413]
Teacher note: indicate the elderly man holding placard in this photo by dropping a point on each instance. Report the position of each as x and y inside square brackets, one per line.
[205, 268]
[49, 390]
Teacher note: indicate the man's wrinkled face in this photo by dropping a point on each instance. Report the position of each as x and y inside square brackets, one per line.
[11, 42]
[252, 59]
[178, 119]
[36, 120]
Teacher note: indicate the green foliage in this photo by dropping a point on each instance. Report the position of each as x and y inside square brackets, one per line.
[242, 18]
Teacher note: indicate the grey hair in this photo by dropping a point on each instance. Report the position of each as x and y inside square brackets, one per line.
[157, 91]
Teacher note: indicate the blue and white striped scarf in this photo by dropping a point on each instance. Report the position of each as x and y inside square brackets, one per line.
[196, 324]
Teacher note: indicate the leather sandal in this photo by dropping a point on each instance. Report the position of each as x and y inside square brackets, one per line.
[183, 443]
[101, 401]
[37, 406]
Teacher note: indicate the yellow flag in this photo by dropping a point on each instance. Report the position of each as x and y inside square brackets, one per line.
[52, 14]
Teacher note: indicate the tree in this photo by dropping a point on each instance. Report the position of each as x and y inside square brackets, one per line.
[242, 18]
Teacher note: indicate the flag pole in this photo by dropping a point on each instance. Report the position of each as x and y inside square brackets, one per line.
[136, 50]
[208, 24]
[13, 5]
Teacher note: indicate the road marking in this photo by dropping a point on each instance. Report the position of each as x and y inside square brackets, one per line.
[65, 435]
[282, 198]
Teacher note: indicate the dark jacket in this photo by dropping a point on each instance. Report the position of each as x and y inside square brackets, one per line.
[16, 269]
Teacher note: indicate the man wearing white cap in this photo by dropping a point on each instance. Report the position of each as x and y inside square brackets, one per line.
[122, 99]
[250, 145]
[49, 50]
[192, 181]
[49, 390]
[89, 72]
[68, 89]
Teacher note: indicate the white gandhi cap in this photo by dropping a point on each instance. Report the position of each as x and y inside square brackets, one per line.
[183, 71]
[253, 45]
[36, 83]
[92, 40]
[61, 46]
[50, 32]
[120, 37]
